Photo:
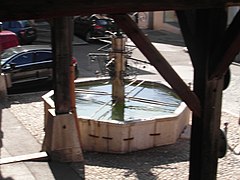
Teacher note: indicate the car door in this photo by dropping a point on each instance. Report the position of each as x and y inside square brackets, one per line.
[21, 68]
[44, 64]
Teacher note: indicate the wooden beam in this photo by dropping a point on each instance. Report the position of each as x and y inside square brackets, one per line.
[61, 29]
[29, 9]
[228, 49]
[40, 156]
[158, 61]
[205, 134]
[202, 30]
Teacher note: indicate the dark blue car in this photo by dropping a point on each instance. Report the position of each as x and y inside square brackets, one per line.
[29, 63]
[24, 30]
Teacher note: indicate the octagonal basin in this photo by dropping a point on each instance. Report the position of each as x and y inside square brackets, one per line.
[151, 115]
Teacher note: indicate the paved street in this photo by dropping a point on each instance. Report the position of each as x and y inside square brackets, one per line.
[161, 163]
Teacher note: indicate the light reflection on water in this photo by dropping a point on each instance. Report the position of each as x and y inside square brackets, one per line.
[149, 101]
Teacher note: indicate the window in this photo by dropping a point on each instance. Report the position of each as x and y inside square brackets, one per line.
[5, 25]
[42, 56]
[25, 23]
[23, 59]
[15, 24]
[101, 22]
[170, 18]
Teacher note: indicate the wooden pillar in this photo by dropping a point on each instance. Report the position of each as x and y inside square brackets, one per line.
[118, 46]
[61, 29]
[203, 30]
[62, 137]
[118, 88]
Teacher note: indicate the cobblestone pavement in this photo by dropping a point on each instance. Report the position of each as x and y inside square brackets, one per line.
[166, 162]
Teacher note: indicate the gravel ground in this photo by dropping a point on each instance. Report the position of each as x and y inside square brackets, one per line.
[166, 162]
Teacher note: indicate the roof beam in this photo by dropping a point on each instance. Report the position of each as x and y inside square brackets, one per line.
[29, 9]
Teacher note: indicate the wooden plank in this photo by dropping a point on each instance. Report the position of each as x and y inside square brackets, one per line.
[158, 61]
[62, 52]
[28, 157]
[28, 9]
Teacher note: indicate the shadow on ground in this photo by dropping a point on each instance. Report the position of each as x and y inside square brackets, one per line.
[165, 37]
[66, 171]
[141, 162]
[26, 98]
[31, 87]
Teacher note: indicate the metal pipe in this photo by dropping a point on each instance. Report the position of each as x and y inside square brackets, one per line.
[152, 101]
[132, 82]
[135, 87]
[91, 92]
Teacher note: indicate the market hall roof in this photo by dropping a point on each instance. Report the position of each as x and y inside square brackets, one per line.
[28, 9]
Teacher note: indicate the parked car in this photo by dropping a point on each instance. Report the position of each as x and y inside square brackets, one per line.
[94, 27]
[29, 63]
[24, 30]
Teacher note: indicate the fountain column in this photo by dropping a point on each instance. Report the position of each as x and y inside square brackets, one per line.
[118, 48]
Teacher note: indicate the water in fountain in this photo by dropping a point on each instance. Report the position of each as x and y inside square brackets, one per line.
[145, 101]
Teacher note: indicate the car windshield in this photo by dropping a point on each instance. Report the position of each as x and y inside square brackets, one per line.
[25, 23]
[8, 54]
[102, 22]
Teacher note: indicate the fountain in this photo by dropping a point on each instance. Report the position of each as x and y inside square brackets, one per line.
[120, 115]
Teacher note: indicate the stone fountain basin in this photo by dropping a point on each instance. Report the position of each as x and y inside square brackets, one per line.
[114, 136]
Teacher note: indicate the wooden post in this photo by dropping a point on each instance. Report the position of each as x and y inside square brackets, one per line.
[118, 89]
[62, 137]
[62, 56]
[203, 30]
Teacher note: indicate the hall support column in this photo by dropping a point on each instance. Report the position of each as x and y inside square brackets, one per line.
[62, 140]
[203, 31]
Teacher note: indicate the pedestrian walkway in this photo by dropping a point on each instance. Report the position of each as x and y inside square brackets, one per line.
[17, 143]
